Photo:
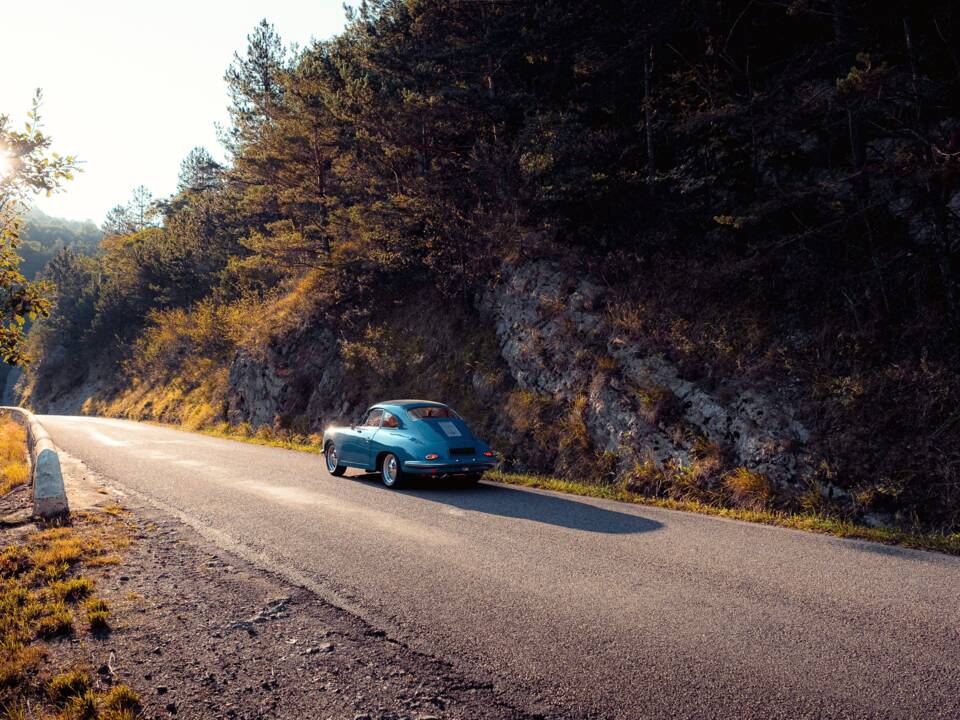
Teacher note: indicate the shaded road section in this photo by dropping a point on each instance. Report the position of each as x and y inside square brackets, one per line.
[583, 607]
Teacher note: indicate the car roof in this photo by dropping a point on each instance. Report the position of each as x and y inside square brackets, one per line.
[405, 404]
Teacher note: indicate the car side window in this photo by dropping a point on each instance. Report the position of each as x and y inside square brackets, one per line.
[390, 420]
[373, 418]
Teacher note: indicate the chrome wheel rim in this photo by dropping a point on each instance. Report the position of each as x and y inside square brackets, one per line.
[331, 458]
[390, 470]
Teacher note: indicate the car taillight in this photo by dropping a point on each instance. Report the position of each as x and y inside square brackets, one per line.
[432, 456]
[488, 453]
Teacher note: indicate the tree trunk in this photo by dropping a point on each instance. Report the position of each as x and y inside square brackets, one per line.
[841, 22]
[857, 145]
[912, 56]
[648, 119]
[946, 260]
[319, 165]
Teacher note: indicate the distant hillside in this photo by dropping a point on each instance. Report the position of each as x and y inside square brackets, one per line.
[42, 238]
[44, 235]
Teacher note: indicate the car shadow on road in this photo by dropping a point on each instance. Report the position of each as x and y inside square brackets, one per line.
[505, 501]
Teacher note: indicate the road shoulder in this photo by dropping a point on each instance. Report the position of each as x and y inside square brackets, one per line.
[199, 632]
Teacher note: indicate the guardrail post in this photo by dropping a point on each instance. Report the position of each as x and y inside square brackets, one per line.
[49, 494]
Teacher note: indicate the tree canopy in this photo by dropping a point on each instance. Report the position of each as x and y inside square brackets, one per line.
[28, 167]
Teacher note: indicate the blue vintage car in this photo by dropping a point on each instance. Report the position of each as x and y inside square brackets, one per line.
[408, 437]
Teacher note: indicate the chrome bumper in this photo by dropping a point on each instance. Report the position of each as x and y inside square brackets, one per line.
[428, 467]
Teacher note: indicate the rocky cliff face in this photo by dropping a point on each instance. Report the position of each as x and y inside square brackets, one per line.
[296, 380]
[555, 340]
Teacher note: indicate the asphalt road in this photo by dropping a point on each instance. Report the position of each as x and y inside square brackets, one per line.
[585, 608]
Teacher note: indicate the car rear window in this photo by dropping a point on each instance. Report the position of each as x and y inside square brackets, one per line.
[426, 412]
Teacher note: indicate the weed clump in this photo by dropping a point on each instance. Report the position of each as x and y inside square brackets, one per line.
[659, 405]
[17, 662]
[747, 489]
[121, 698]
[55, 620]
[71, 590]
[98, 613]
[81, 707]
[65, 686]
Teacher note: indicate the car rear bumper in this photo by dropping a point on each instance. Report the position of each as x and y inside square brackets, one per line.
[420, 467]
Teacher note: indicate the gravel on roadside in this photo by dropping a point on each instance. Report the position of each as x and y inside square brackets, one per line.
[200, 633]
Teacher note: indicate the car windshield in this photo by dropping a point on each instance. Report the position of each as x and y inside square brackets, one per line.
[431, 411]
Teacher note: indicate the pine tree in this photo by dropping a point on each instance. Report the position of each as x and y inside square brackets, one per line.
[199, 172]
[255, 82]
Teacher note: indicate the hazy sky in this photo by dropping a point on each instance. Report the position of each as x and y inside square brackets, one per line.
[131, 86]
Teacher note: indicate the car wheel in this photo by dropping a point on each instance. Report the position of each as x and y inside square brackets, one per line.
[333, 461]
[472, 478]
[391, 472]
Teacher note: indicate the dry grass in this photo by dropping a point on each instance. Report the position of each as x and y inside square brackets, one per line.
[55, 620]
[809, 522]
[696, 480]
[103, 560]
[80, 707]
[554, 434]
[121, 699]
[14, 464]
[18, 664]
[72, 694]
[178, 369]
[747, 489]
[43, 593]
[266, 436]
[71, 590]
[659, 405]
[97, 612]
[68, 685]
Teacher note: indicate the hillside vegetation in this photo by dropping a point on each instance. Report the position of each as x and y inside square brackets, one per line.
[567, 220]
[44, 236]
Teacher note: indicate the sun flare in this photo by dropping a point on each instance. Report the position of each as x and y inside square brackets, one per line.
[6, 165]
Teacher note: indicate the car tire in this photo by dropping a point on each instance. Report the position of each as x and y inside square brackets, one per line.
[333, 461]
[472, 478]
[390, 471]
